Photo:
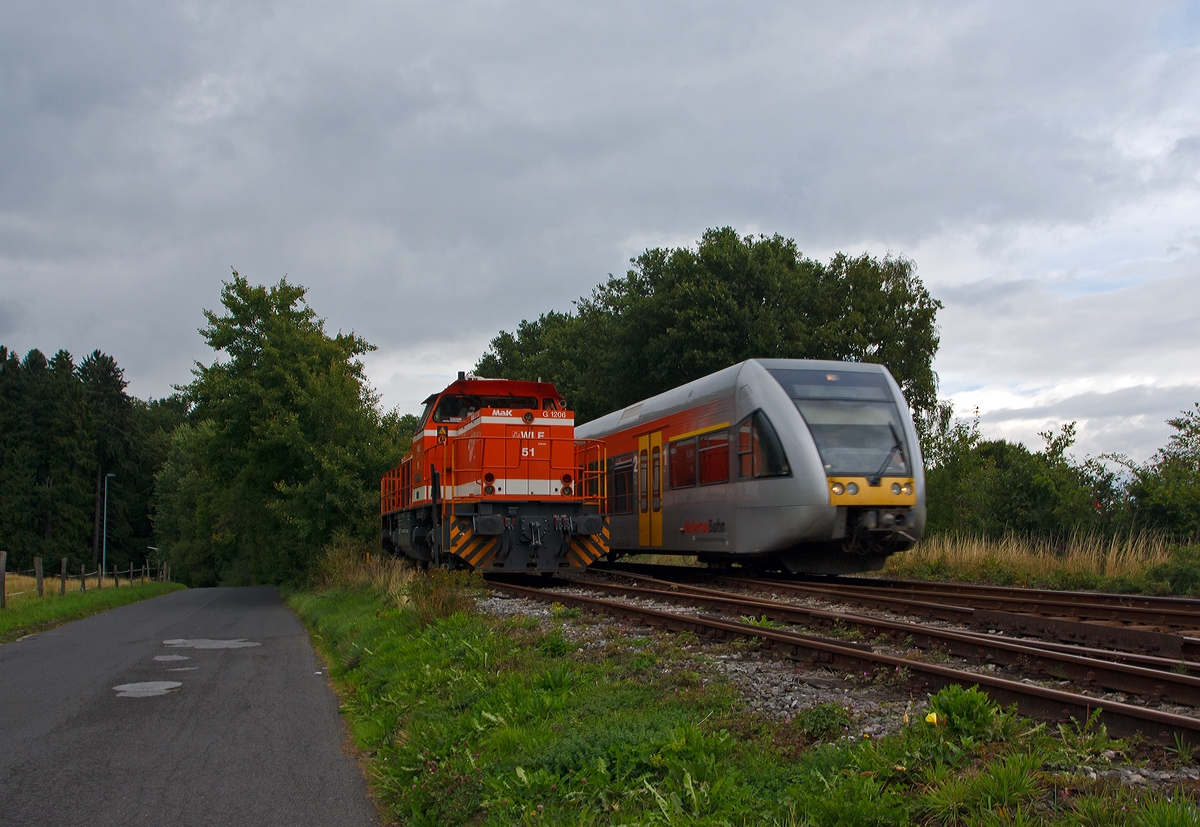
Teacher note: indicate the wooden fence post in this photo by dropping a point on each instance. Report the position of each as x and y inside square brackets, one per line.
[82, 580]
[3, 585]
[144, 567]
[131, 572]
[62, 578]
[37, 572]
[116, 579]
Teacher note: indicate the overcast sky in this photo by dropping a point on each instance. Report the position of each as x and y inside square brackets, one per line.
[435, 172]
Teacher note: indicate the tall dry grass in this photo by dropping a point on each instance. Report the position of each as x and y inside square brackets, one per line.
[24, 586]
[1080, 560]
[350, 563]
[432, 594]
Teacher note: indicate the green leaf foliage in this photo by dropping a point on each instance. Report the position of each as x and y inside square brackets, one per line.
[679, 314]
[62, 429]
[284, 447]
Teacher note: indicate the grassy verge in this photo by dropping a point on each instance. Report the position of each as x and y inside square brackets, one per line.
[27, 614]
[475, 719]
[1144, 564]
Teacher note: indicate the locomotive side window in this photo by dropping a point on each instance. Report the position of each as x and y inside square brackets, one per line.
[714, 458]
[759, 451]
[452, 408]
[622, 484]
[682, 454]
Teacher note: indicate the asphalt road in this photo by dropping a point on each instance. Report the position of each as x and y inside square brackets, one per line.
[251, 736]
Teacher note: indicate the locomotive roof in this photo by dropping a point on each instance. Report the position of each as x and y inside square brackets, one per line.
[475, 386]
[717, 385]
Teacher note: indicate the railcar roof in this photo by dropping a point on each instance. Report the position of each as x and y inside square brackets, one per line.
[717, 385]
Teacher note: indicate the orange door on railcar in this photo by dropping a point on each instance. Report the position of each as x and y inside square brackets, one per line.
[650, 484]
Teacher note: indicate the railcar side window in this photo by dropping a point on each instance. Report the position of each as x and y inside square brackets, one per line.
[656, 473]
[759, 452]
[643, 481]
[622, 484]
[714, 458]
[683, 463]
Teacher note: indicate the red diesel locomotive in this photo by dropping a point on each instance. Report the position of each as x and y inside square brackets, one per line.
[497, 481]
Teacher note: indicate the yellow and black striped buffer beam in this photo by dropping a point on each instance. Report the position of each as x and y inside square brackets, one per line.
[474, 550]
[586, 549]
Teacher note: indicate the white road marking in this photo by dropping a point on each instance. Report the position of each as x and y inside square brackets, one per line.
[206, 643]
[170, 658]
[147, 689]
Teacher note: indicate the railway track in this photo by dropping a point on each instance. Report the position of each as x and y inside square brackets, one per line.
[1166, 629]
[1140, 675]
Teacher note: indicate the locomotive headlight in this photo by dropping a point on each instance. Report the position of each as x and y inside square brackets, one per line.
[851, 488]
[906, 489]
[489, 490]
[566, 490]
[896, 488]
[838, 488]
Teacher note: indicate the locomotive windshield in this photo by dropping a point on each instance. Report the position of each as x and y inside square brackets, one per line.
[853, 420]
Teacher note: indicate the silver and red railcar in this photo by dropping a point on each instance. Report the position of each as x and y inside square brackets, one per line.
[496, 480]
[809, 465]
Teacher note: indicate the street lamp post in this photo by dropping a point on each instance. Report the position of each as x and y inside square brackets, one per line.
[104, 554]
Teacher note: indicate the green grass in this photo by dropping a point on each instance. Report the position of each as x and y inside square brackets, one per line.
[34, 614]
[471, 719]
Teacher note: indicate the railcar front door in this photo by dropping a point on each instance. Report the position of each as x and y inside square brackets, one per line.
[649, 482]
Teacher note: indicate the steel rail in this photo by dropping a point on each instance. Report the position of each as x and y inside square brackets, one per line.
[1177, 605]
[1120, 677]
[1037, 701]
[1180, 604]
[1177, 664]
[1021, 624]
[1059, 629]
[1032, 604]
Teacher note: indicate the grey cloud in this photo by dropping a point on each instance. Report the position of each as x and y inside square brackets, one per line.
[438, 172]
[1130, 421]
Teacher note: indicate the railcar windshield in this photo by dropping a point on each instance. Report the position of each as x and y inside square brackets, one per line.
[853, 420]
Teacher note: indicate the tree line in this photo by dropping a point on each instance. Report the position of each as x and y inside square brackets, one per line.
[275, 448]
[63, 428]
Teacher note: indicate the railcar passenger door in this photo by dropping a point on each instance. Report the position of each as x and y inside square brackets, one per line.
[649, 479]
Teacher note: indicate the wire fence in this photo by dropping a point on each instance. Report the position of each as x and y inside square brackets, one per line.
[37, 582]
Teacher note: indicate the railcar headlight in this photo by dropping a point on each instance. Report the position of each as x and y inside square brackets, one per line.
[852, 488]
[838, 488]
[906, 489]
[896, 488]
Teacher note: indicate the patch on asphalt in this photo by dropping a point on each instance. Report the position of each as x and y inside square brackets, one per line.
[206, 643]
[148, 689]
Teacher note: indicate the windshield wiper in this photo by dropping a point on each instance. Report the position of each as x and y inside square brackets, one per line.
[876, 479]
